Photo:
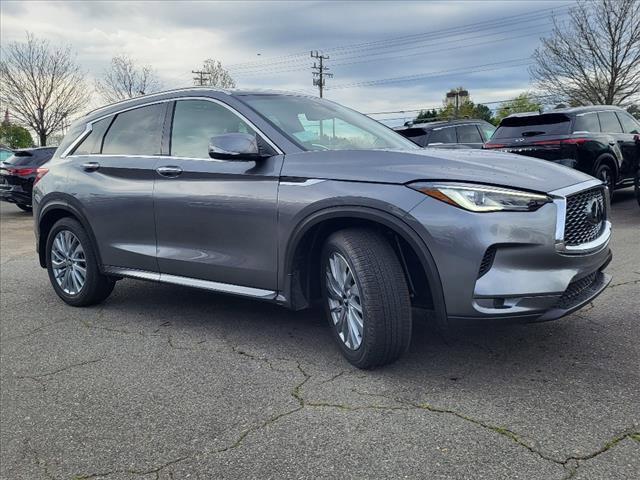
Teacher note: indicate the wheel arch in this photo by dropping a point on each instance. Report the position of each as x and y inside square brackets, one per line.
[302, 255]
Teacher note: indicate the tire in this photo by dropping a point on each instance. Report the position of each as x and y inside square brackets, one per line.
[96, 287]
[378, 287]
[607, 174]
[23, 207]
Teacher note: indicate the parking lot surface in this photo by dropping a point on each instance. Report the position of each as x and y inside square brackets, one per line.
[164, 382]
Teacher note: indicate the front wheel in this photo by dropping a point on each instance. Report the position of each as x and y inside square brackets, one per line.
[366, 297]
[73, 267]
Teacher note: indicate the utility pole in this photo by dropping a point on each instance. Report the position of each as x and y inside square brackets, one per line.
[320, 70]
[199, 80]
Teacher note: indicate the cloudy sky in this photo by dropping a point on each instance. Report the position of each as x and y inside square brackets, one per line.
[481, 45]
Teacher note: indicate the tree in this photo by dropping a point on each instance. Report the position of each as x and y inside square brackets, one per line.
[483, 112]
[15, 136]
[124, 79]
[634, 110]
[594, 57]
[214, 75]
[41, 85]
[522, 103]
[427, 115]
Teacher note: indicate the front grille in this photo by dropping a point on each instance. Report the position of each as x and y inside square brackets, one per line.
[586, 216]
[577, 290]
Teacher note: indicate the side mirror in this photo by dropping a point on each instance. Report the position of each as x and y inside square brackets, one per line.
[234, 146]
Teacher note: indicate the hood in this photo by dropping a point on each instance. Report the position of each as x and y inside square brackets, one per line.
[403, 166]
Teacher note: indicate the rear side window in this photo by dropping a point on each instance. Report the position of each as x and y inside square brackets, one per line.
[196, 121]
[93, 142]
[609, 122]
[587, 123]
[416, 135]
[533, 125]
[487, 131]
[468, 134]
[136, 132]
[442, 135]
[629, 125]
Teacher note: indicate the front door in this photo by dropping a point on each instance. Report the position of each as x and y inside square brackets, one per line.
[215, 220]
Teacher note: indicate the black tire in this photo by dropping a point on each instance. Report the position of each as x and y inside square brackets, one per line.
[23, 207]
[607, 174]
[97, 287]
[383, 296]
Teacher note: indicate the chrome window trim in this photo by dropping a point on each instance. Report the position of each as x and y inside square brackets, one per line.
[560, 201]
[89, 126]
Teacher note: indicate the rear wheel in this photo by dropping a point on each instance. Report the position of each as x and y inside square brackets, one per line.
[73, 267]
[606, 173]
[366, 297]
[22, 206]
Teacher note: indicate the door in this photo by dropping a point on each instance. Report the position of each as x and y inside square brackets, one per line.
[113, 171]
[216, 220]
[629, 144]
[469, 136]
[620, 141]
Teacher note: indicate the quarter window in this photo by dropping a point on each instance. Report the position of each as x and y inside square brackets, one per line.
[136, 132]
[587, 123]
[609, 122]
[93, 142]
[443, 135]
[196, 121]
[468, 134]
[629, 125]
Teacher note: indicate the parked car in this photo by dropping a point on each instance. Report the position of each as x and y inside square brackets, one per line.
[468, 133]
[599, 140]
[297, 200]
[19, 171]
[5, 153]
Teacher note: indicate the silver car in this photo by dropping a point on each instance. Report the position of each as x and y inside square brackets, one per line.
[300, 201]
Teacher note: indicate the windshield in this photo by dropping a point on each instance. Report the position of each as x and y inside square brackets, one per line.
[316, 124]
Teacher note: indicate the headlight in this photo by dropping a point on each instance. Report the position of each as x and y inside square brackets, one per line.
[482, 198]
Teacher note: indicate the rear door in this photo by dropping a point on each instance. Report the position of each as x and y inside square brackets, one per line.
[112, 176]
[629, 144]
[216, 220]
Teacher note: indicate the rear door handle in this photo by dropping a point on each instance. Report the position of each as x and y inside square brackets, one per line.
[169, 171]
[90, 166]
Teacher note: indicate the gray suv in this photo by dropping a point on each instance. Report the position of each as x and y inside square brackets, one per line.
[298, 201]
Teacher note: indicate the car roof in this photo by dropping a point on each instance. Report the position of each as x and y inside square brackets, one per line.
[570, 110]
[441, 123]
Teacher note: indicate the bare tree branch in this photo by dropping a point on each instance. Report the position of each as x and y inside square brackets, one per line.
[125, 80]
[41, 85]
[215, 75]
[594, 57]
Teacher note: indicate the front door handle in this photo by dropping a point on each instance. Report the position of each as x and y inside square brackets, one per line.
[90, 166]
[169, 171]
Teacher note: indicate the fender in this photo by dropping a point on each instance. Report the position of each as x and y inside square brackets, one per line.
[393, 222]
[68, 203]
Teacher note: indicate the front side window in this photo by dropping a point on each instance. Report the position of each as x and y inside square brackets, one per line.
[609, 122]
[136, 132]
[629, 125]
[468, 134]
[443, 135]
[196, 121]
[316, 124]
[587, 123]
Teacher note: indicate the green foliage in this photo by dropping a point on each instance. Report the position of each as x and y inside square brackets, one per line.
[522, 103]
[15, 136]
[467, 110]
[427, 115]
[634, 110]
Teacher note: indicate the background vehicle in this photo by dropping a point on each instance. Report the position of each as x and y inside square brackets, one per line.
[297, 200]
[18, 172]
[5, 153]
[468, 133]
[598, 140]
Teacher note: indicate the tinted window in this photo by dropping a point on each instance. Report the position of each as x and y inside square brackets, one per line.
[629, 124]
[468, 134]
[196, 121]
[587, 123]
[31, 157]
[93, 143]
[487, 130]
[609, 122]
[443, 135]
[533, 125]
[416, 135]
[136, 132]
[4, 154]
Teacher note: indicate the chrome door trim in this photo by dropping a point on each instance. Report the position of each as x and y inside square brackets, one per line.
[192, 282]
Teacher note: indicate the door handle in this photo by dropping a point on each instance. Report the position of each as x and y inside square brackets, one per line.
[169, 171]
[90, 166]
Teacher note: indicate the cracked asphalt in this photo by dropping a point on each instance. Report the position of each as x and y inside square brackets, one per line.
[164, 382]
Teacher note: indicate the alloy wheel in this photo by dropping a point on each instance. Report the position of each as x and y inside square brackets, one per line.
[345, 304]
[68, 262]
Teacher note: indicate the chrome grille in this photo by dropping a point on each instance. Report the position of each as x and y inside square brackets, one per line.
[585, 218]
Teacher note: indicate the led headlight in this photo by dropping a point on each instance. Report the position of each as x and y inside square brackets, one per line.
[482, 198]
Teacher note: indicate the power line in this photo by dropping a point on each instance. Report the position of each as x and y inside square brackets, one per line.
[200, 79]
[320, 70]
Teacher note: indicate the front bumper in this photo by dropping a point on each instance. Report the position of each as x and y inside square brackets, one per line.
[511, 265]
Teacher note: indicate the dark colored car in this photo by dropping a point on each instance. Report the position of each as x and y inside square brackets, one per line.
[468, 133]
[299, 201]
[18, 172]
[600, 140]
[5, 153]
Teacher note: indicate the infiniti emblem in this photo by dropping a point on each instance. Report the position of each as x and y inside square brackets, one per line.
[594, 212]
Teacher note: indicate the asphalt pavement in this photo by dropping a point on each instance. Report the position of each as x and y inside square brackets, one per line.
[164, 382]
